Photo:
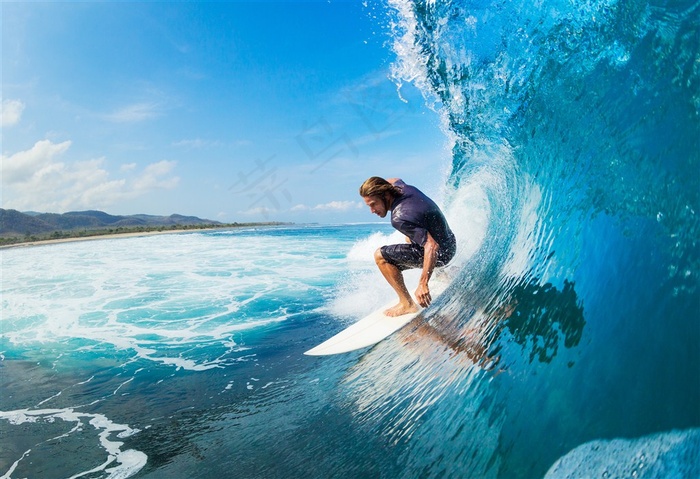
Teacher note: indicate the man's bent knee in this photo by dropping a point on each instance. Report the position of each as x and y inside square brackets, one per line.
[378, 256]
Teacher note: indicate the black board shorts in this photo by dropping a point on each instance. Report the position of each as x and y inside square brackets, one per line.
[409, 255]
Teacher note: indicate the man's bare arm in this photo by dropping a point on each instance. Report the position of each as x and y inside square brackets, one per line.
[430, 258]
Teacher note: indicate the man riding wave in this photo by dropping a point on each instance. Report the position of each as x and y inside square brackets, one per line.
[430, 242]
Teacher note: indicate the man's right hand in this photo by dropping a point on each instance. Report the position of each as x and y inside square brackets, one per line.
[423, 295]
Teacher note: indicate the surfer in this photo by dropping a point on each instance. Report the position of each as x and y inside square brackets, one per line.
[430, 242]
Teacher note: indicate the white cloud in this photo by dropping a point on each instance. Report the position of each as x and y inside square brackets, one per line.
[155, 176]
[22, 166]
[134, 113]
[11, 112]
[36, 180]
[339, 206]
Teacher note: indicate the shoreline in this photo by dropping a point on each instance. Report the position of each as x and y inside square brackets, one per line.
[126, 234]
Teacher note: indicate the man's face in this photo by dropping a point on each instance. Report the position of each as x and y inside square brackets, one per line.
[377, 205]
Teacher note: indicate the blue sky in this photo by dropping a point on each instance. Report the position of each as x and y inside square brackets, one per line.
[232, 111]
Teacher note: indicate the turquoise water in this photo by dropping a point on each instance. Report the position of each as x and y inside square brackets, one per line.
[121, 355]
[566, 345]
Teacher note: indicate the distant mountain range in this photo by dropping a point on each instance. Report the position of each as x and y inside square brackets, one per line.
[16, 223]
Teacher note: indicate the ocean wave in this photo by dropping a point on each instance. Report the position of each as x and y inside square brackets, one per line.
[574, 188]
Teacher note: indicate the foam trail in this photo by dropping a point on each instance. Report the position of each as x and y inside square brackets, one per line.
[8, 474]
[129, 461]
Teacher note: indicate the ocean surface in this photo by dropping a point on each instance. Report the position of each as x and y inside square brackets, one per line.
[567, 345]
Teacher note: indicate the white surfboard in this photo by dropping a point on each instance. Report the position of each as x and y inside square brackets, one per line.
[369, 330]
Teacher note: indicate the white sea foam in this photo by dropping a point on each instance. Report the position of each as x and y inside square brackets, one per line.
[124, 463]
[468, 213]
[364, 289]
[180, 300]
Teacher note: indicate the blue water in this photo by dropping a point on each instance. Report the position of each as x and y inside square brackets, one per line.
[568, 344]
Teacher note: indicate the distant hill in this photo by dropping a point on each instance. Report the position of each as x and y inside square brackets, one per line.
[16, 223]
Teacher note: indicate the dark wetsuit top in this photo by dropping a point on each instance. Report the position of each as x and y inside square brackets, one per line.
[416, 215]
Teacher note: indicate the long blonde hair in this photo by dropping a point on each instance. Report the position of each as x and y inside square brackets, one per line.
[376, 186]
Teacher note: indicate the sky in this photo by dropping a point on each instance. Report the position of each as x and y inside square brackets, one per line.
[230, 111]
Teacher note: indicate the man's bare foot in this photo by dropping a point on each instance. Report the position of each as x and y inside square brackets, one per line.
[401, 309]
